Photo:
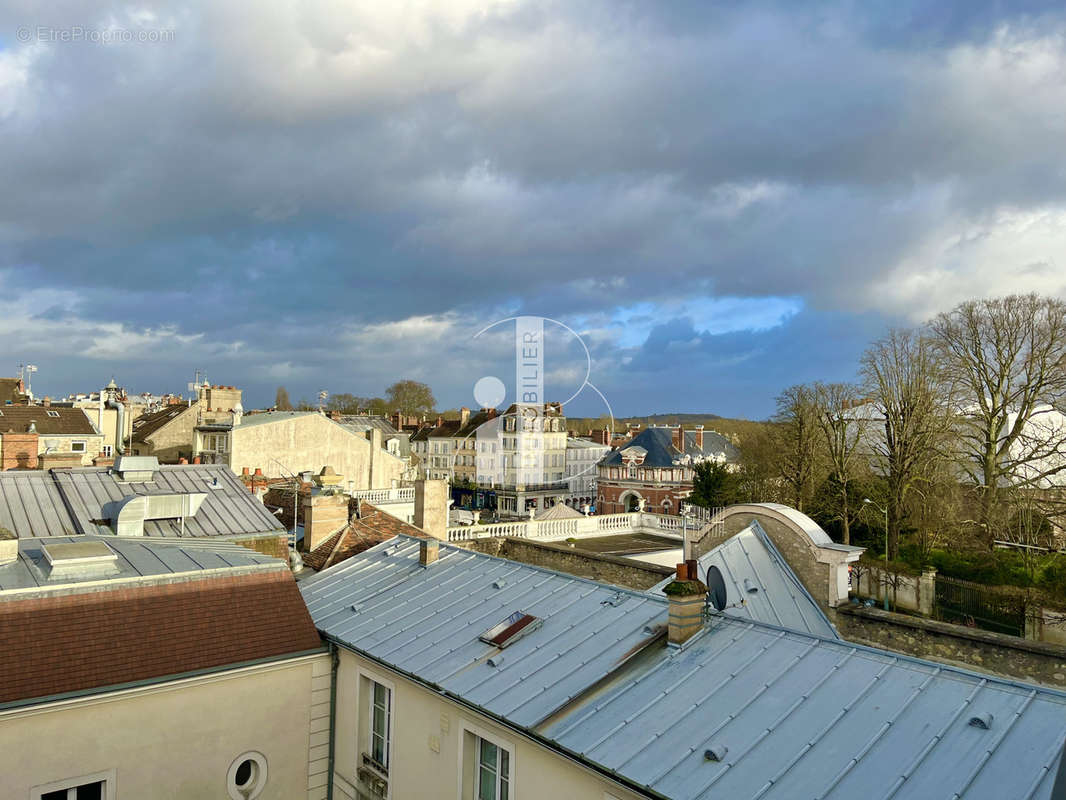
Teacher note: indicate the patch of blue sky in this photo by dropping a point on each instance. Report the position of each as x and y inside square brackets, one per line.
[709, 315]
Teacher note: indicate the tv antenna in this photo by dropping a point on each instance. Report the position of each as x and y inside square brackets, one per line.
[25, 371]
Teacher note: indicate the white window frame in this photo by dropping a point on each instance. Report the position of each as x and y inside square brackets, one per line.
[108, 451]
[107, 776]
[74, 446]
[386, 735]
[364, 738]
[51, 413]
[491, 737]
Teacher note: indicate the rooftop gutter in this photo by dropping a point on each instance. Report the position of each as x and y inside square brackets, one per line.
[15, 705]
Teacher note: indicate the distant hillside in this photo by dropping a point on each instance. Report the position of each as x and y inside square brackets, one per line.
[737, 430]
[675, 419]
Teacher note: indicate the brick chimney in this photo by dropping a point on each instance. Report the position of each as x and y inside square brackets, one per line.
[687, 595]
[18, 450]
[431, 507]
[677, 435]
[428, 551]
[47, 401]
[698, 430]
[464, 416]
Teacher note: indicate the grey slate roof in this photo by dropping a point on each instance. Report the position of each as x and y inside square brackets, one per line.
[659, 444]
[37, 503]
[798, 715]
[749, 561]
[137, 558]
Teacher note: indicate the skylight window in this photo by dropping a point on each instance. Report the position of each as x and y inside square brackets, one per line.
[53, 413]
[511, 629]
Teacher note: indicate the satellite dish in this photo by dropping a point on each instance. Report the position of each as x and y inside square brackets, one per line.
[716, 588]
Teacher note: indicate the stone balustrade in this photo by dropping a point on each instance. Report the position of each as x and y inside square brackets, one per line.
[584, 527]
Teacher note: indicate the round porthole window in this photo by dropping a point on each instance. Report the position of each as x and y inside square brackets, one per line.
[247, 776]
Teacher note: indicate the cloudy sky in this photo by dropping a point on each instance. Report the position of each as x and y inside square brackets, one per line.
[720, 200]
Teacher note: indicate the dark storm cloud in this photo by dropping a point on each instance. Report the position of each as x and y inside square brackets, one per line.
[243, 192]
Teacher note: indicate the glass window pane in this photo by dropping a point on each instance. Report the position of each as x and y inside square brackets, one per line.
[61, 794]
[91, 791]
[379, 694]
[505, 769]
[503, 790]
[488, 755]
[486, 785]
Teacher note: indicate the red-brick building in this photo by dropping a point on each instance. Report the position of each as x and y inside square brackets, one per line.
[656, 467]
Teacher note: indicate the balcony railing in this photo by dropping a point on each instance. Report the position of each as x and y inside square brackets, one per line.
[383, 496]
[585, 527]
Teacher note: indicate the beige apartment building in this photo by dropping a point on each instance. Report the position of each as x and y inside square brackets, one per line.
[157, 668]
[34, 437]
[282, 443]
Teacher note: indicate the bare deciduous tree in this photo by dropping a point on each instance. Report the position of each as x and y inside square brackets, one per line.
[842, 429]
[797, 427]
[1005, 361]
[902, 378]
[281, 400]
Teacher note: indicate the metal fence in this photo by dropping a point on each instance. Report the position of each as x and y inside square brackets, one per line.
[978, 606]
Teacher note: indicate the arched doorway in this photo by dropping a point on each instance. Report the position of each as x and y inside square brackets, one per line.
[630, 501]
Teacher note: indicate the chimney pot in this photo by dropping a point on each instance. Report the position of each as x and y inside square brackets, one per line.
[259, 472]
[244, 472]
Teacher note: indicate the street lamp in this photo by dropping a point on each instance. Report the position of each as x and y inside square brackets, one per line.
[868, 501]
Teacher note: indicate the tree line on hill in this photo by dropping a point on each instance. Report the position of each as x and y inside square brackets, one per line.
[953, 438]
[409, 397]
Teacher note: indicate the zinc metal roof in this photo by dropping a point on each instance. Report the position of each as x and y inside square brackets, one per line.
[136, 558]
[360, 423]
[803, 716]
[269, 417]
[81, 501]
[791, 714]
[426, 621]
[760, 585]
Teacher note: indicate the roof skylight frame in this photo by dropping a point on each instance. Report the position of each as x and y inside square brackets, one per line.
[510, 630]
